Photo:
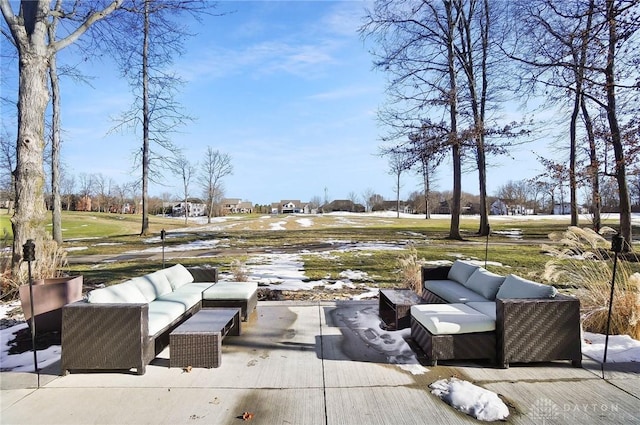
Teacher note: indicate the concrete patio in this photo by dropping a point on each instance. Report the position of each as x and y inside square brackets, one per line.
[309, 363]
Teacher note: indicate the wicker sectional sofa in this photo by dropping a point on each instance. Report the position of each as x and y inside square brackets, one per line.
[125, 326]
[468, 312]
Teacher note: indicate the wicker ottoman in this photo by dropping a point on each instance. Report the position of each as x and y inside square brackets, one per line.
[453, 332]
[198, 341]
[243, 295]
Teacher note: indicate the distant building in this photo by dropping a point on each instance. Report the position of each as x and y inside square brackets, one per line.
[498, 207]
[194, 207]
[561, 208]
[236, 206]
[342, 205]
[290, 207]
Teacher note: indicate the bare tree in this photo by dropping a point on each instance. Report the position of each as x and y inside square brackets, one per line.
[185, 170]
[28, 31]
[417, 48]
[7, 162]
[367, 196]
[398, 164]
[156, 36]
[215, 167]
[67, 188]
[589, 49]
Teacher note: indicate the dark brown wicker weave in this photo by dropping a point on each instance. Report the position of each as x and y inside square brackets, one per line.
[113, 336]
[527, 330]
[538, 330]
[246, 306]
[394, 306]
[478, 345]
[198, 341]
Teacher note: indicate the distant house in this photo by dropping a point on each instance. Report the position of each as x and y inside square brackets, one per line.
[194, 208]
[405, 207]
[498, 207]
[342, 205]
[561, 208]
[443, 208]
[290, 207]
[236, 206]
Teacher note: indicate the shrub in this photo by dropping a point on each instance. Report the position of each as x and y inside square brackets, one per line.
[410, 270]
[584, 262]
[238, 271]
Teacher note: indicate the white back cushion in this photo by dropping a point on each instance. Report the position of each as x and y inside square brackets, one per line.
[177, 275]
[126, 292]
[152, 285]
[461, 270]
[485, 283]
[517, 287]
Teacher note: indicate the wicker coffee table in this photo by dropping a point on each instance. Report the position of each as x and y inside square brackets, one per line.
[198, 341]
[395, 307]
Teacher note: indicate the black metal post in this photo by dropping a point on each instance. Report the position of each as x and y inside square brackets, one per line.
[616, 246]
[29, 255]
[163, 234]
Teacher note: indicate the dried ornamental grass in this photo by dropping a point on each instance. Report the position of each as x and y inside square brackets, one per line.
[410, 270]
[584, 261]
[50, 260]
[239, 271]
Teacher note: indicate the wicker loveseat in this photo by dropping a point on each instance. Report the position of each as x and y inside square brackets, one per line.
[470, 313]
[125, 326]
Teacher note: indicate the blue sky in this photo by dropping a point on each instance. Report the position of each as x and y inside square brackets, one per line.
[285, 88]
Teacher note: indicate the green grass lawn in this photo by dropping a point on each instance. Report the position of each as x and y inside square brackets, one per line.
[237, 238]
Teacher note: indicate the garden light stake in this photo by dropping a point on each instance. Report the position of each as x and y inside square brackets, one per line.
[29, 255]
[616, 246]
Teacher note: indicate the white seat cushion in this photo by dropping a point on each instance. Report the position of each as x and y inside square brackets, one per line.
[487, 308]
[230, 291]
[451, 319]
[452, 292]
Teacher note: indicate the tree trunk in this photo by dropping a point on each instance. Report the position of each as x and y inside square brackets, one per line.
[572, 156]
[28, 221]
[616, 138]
[145, 123]
[55, 143]
[398, 195]
[454, 230]
[594, 165]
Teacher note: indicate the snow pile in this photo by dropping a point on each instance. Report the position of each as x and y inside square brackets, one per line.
[23, 362]
[305, 222]
[278, 225]
[470, 399]
[621, 348]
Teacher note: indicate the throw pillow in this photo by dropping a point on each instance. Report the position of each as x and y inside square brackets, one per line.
[485, 283]
[461, 270]
[517, 287]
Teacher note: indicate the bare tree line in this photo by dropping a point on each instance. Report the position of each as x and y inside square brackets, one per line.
[453, 64]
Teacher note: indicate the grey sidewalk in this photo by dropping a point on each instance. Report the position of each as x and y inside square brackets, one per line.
[309, 363]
